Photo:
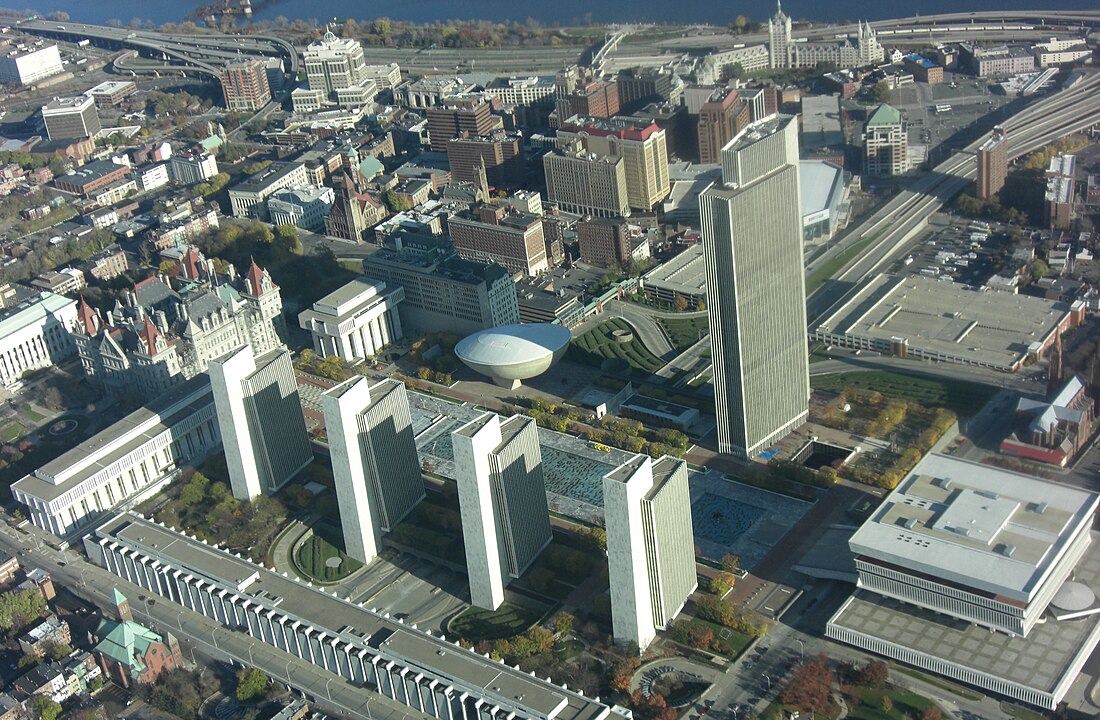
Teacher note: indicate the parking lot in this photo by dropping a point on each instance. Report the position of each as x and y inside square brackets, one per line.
[955, 249]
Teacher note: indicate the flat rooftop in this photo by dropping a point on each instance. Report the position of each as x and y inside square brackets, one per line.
[819, 182]
[976, 525]
[685, 273]
[104, 448]
[1051, 653]
[349, 297]
[341, 618]
[950, 319]
[821, 121]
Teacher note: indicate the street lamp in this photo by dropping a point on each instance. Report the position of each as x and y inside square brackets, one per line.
[769, 681]
[179, 620]
[214, 637]
[328, 689]
[802, 649]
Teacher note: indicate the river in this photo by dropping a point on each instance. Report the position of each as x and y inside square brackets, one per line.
[561, 11]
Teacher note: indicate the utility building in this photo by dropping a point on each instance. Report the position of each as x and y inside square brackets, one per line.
[374, 461]
[505, 520]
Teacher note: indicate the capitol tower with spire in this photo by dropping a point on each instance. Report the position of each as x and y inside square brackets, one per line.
[784, 52]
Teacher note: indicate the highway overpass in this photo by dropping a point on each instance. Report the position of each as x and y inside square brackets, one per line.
[204, 54]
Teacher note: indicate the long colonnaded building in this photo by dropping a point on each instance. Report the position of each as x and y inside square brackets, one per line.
[367, 648]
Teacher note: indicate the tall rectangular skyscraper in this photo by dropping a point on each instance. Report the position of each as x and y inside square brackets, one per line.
[505, 519]
[756, 288]
[260, 418]
[650, 547]
[374, 461]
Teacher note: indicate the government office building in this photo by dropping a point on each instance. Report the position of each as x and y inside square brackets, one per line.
[131, 459]
[983, 575]
[424, 672]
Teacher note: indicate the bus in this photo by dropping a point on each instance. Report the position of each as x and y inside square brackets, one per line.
[941, 108]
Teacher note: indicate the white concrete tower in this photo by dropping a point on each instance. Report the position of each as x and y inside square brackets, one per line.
[502, 499]
[374, 460]
[260, 418]
[650, 545]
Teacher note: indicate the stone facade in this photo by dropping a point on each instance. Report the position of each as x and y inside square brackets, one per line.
[169, 329]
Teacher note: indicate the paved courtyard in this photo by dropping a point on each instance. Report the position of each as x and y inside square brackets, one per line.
[728, 517]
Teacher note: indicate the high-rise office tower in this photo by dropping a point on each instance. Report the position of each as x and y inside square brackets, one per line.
[756, 288]
[244, 84]
[260, 417]
[71, 117]
[650, 548]
[992, 164]
[505, 520]
[374, 461]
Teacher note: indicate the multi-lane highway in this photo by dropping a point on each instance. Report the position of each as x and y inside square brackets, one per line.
[894, 226]
[202, 54]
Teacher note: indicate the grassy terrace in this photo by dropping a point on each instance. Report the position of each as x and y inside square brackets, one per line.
[598, 344]
[475, 624]
[818, 277]
[312, 556]
[684, 332]
[963, 398]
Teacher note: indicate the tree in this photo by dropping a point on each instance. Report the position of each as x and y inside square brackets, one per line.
[563, 623]
[881, 92]
[680, 303]
[286, 243]
[18, 609]
[251, 683]
[1039, 269]
[931, 712]
[887, 704]
[44, 708]
[700, 636]
[810, 687]
[395, 202]
[730, 562]
[874, 674]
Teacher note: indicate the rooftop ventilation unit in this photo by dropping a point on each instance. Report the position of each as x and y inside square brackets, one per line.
[1008, 550]
[910, 523]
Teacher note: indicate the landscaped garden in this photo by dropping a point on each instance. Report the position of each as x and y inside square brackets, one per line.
[510, 619]
[321, 558]
[905, 423]
[599, 344]
[960, 397]
[685, 331]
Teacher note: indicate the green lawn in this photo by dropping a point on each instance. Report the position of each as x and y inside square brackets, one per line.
[31, 414]
[12, 431]
[597, 345]
[818, 277]
[965, 399]
[906, 704]
[684, 332]
[939, 682]
[475, 624]
[312, 555]
[737, 642]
